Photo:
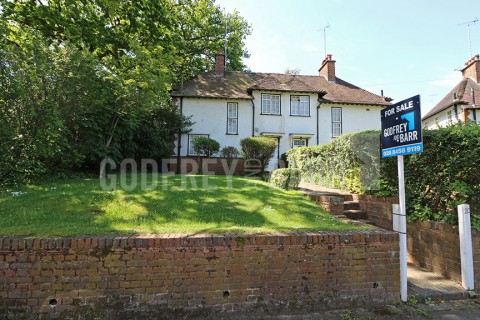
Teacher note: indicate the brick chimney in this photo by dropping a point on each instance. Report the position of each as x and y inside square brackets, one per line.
[472, 69]
[220, 64]
[327, 69]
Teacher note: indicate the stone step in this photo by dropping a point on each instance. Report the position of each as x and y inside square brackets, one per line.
[355, 214]
[351, 205]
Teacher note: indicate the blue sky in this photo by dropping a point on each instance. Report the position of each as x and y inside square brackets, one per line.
[403, 47]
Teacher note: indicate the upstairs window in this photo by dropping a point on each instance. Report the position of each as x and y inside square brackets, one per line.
[271, 104]
[300, 106]
[232, 118]
[336, 122]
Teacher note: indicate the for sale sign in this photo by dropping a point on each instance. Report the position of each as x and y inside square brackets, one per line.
[402, 128]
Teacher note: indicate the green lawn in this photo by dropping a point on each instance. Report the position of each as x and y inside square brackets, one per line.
[177, 204]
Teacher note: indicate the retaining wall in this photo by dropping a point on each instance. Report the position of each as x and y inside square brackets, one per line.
[436, 246]
[178, 276]
[214, 165]
[379, 209]
[430, 244]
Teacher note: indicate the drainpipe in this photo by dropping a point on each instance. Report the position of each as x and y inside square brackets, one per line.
[318, 121]
[253, 118]
[179, 145]
[278, 152]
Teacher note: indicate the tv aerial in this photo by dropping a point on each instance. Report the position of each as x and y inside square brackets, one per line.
[468, 23]
[324, 29]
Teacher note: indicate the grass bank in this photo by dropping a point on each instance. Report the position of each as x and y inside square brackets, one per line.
[146, 204]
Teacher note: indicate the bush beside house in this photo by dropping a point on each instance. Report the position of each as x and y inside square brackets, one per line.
[260, 149]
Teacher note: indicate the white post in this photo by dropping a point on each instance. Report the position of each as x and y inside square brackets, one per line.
[466, 254]
[402, 230]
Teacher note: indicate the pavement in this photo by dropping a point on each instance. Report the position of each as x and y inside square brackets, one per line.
[430, 295]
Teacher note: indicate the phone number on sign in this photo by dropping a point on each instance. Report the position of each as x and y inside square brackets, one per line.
[402, 151]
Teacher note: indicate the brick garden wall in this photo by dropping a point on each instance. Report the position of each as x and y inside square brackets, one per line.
[436, 246]
[217, 166]
[379, 209]
[174, 276]
[432, 245]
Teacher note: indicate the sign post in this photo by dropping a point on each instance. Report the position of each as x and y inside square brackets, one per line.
[402, 135]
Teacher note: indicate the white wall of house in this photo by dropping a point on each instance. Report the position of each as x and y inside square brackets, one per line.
[354, 118]
[210, 117]
[443, 118]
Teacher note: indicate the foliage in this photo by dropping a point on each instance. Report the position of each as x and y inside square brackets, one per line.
[229, 153]
[444, 175]
[437, 180]
[285, 178]
[155, 136]
[215, 204]
[81, 81]
[205, 146]
[258, 148]
[349, 162]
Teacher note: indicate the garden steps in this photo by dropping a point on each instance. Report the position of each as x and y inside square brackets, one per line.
[339, 203]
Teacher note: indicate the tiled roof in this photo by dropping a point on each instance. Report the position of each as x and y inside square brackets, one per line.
[463, 91]
[238, 85]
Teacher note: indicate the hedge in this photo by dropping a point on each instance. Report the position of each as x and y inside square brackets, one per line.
[446, 174]
[351, 162]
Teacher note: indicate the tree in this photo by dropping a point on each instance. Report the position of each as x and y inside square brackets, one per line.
[87, 80]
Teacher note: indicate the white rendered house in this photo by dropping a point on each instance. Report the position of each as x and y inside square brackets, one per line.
[297, 110]
[462, 103]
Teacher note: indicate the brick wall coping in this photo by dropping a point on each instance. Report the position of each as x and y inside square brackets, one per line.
[195, 240]
[440, 226]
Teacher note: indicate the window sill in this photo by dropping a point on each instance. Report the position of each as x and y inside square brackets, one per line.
[269, 114]
[299, 115]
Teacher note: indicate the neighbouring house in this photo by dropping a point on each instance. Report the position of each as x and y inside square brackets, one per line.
[462, 103]
[297, 110]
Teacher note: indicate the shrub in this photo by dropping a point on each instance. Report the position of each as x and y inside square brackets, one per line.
[206, 147]
[229, 153]
[285, 178]
[258, 148]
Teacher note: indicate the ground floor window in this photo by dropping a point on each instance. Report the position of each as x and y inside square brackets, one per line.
[336, 122]
[299, 142]
[191, 137]
[232, 118]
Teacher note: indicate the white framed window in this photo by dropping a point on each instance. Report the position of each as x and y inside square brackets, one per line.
[449, 116]
[336, 122]
[300, 106]
[271, 104]
[232, 118]
[191, 137]
[299, 142]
